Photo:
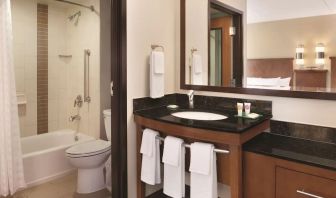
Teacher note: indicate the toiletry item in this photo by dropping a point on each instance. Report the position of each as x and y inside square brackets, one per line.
[240, 109]
[247, 106]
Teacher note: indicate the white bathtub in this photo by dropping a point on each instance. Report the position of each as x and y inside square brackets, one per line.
[44, 156]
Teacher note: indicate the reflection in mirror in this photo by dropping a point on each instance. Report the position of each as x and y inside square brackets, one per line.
[290, 49]
[286, 49]
[220, 48]
[216, 57]
[212, 45]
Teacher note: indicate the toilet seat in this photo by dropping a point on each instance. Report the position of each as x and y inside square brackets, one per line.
[88, 149]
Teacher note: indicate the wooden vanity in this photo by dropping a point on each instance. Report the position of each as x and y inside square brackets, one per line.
[229, 166]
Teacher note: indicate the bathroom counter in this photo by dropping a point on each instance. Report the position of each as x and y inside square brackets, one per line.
[232, 124]
[308, 152]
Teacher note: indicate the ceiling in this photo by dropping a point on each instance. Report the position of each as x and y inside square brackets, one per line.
[273, 10]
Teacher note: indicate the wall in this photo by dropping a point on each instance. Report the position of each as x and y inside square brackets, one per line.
[24, 14]
[148, 22]
[85, 35]
[65, 75]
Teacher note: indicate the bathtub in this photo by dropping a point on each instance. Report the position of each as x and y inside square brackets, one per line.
[44, 156]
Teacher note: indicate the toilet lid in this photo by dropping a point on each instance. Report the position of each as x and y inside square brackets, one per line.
[91, 147]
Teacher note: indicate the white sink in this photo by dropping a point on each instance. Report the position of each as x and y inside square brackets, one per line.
[195, 115]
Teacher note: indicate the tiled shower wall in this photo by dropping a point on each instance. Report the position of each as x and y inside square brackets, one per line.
[65, 75]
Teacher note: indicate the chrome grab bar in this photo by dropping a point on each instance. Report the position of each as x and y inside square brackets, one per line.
[188, 146]
[302, 192]
[87, 54]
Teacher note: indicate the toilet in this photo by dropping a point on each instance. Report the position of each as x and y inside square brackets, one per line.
[90, 158]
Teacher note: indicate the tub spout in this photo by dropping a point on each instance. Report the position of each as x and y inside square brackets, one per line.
[75, 117]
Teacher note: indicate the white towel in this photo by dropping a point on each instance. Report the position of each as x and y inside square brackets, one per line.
[197, 70]
[156, 74]
[174, 167]
[150, 149]
[203, 171]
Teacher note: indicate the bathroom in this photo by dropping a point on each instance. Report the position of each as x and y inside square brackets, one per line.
[288, 151]
[63, 96]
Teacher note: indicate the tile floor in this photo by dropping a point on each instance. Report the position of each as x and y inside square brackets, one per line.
[64, 187]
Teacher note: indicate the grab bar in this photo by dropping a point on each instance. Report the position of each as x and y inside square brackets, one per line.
[188, 146]
[87, 54]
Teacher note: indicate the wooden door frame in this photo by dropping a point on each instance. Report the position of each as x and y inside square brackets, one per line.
[119, 99]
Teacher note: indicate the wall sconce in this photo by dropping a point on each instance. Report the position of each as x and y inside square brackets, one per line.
[299, 59]
[320, 51]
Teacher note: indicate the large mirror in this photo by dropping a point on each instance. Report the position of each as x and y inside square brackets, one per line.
[287, 52]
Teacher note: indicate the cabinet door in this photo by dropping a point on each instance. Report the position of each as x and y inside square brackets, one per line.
[293, 184]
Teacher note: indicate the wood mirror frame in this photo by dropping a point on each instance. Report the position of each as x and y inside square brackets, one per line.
[238, 59]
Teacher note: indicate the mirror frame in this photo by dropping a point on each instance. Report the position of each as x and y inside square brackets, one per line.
[238, 47]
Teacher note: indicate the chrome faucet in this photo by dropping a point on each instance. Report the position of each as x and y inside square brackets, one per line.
[75, 117]
[191, 98]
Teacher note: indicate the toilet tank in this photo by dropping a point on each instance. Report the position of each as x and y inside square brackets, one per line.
[107, 121]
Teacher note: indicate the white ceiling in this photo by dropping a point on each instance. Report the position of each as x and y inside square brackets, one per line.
[273, 10]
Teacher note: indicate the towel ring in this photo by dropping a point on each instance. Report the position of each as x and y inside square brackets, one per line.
[157, 46]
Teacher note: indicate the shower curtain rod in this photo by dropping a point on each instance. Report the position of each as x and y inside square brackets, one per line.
[78, 4]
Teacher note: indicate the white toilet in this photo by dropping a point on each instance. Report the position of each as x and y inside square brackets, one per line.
[90, 158]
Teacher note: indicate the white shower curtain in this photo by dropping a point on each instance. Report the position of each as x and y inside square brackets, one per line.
[11, 169]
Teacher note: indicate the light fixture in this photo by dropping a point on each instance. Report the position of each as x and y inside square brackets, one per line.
[320, 50]
[299, 59]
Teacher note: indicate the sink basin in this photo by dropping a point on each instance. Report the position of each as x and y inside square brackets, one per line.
[195, 115]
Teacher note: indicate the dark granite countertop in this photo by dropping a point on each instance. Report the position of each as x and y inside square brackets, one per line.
[232, 124]
[294, 149]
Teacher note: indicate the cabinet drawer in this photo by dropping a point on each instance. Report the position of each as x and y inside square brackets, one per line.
[293, 184]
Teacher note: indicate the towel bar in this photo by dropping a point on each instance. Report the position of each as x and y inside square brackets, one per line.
[188, 146]
[157, 46]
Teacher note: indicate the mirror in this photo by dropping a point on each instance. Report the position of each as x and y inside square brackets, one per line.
[213, 55]
[288, 52]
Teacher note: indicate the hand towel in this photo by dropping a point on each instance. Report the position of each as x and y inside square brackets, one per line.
[197, 71]
[150, 149]
[174, 167]
[156, 74]
[203, 171]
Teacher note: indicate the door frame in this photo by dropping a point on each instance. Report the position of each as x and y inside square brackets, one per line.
[119, 98]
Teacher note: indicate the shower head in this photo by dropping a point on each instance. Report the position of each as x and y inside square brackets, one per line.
[75, 17]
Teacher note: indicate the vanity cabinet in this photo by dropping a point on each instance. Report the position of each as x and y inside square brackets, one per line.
[269, 177]
[230, 166]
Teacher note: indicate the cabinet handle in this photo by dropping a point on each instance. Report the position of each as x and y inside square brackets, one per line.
[308, 194]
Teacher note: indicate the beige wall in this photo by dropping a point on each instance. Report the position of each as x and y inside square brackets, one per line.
[157, 21]
[65, 75]
[148, 22]
[24, 15]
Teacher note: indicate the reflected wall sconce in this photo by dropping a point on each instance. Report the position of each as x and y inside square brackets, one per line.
[320, 53]
[299, 59]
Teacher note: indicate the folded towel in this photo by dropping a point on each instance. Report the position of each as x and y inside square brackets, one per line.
[174, 167]
[156, 74]
[197, 63]
[158, 62]
[196, 72]
[203, 171]
[150, 149]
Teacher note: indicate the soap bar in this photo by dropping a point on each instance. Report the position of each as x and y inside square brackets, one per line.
[253, 115]
[172, 106]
